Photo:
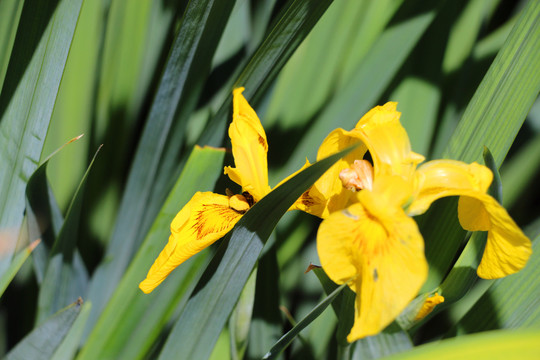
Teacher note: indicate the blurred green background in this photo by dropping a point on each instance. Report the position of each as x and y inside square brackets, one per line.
[149, 80]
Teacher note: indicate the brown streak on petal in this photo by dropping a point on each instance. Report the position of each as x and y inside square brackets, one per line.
[201, 225]
[306, 199]
[263, 143]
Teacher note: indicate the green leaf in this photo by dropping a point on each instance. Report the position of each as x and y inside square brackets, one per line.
[519, 170]
[290, 28]
[495, 189]
[69, 346]
[501, 344]
[176, 97]
[239, 322]
[505, 96]
[266, 324]
[10, 14]
[492, 119]
[18, 261]
[214, 297]
[511, 302]
[65, 276]
[310, 75]
[44, 219]
[291, 334]
[44, 340]
[343, 306]
[73, 110]
[132, 321]
[26, 103]
[391, 340]
[367, 84]
[463, 274]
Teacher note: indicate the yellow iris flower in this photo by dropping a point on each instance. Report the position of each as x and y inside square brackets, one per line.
[207, 217]
[373, 244]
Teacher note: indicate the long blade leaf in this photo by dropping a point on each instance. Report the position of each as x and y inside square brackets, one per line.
[178, 91]
[217, 292]
[44, 340]
[26, 103]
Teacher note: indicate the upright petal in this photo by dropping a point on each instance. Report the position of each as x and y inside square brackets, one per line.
[379, 252]
[387, 141]
[328, 194]
[249, 148]
[204, 219]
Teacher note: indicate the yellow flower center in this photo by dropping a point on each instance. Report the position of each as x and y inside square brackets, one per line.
[357, 177]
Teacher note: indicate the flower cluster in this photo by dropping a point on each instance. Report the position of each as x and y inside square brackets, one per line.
[368, 238]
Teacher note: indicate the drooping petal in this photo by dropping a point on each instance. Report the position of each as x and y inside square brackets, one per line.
[207, 217]
[441, 178]
[387, 141]
[507, 248]
[249, 148]
[328, 194]
[379, 251]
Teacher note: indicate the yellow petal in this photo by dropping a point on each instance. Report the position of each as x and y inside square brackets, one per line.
[441, 178]
[381, 249]
[387, 141]
[205, 219]
[507, 248]
[304, 202]
[328, 194]
[427, 307]
[249, 148]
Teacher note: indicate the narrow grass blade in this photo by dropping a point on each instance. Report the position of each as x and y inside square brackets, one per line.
[266, 324]
[44, 340]
[214, 297]
[310, 75]
[240, 320]
[70, 345]
[520, 170]
[392, 340]
[505, 96]
[180, 85]
[10, 14]
[495, 189]
[291, 334]
[290, 28]
[343, 306]
[18, 261]
[65, 276]
[74, 107]
[501, 344]
[26, 103]
[463, 274]
[44, 219]
[367, 84]
[132, 321]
